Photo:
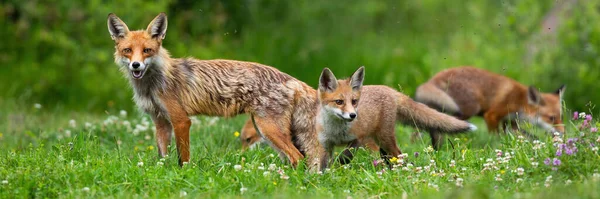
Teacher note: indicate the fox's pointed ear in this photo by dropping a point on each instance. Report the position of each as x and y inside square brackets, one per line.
[534, 97]
[158, 27]
[356, 81]
[327, 81]
[116, 27]
[560, 91]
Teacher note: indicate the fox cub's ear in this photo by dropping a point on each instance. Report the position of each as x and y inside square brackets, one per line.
[327, 81]
[534, 97]
[116, 27]
[560, 91]
[158, 27]
[356, 81]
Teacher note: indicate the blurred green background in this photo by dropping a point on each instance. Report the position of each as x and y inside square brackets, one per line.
[59, 53]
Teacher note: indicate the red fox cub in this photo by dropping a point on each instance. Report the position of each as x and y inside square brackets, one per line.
[172, 89]
[467, 91]
[349, 112]
[250, 139]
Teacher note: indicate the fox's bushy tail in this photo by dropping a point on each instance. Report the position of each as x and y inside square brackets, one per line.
[421, 116]
[433, 96]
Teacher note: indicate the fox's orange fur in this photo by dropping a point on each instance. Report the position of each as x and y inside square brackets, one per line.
[171, 89]
[376, 110]
[467, 91]
[250, 139]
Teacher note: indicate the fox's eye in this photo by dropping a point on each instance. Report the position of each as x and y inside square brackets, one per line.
[339, 102]
[147, 50]
[127, 50]
[354, 102]
[248, 140]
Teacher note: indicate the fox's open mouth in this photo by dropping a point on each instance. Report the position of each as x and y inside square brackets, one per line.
[137, 74]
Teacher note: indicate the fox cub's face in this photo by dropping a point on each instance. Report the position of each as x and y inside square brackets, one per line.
[544, 109]
[137, 51]
[340, 98]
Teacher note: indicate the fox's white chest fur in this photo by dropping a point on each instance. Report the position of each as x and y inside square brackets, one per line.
[335, 131]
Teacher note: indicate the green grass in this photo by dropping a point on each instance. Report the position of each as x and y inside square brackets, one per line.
[107, 159]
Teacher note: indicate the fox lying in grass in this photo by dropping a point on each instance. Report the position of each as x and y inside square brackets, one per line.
[171, 89]
[467, 91]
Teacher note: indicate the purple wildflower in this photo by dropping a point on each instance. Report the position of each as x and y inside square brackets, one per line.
[416, 154]
[547, 161]
[375, 162]
[571, 141]
[558, 152]
[556, 162]
[588, 118]
[569, 151]
[593, 129]
[575, 115]
[562, 146]
[554, 168]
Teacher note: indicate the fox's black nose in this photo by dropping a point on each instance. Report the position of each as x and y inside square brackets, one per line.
[135, 65]
[352, 115]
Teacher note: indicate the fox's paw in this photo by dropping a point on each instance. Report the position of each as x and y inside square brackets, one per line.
[472, 127]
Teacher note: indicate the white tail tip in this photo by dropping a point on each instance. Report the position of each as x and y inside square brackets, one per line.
[472, 127]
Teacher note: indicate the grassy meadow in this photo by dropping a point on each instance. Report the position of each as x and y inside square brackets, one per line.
[47, 153]
[69, 127]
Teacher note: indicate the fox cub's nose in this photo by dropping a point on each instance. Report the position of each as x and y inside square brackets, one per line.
[135, 65]
[352, 115]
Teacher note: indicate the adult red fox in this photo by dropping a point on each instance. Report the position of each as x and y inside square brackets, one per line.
[467, 91]
[171, 89]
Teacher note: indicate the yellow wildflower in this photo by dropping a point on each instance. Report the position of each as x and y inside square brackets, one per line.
[236, 134]
[502, 171]
[150, 148]
[394, 160]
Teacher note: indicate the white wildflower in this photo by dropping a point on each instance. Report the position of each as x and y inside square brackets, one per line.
[272, 167]
[159, 163]
[182, 193]
[72, 123]
[568, 182]
[237, 167]
[4, 181]
[37, 106]
[266, 173]
[520, 171]
[88, 125]
[123, 113]
[243, 189]
[535, 164]
[459, 182]
[68, 133]
[582, 115]
[140, 164]
[519, 180]
[85, 189]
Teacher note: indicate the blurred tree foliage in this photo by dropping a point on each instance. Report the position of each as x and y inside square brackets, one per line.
[60, 53]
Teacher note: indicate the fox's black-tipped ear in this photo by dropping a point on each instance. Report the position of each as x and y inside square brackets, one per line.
[158, 27]
[116, 27]
[534, 97]
[560, 91]
[356, 81]
[327, 81]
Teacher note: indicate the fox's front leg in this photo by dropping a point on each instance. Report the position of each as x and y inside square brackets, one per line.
[163, 134]
[492, 119]
[181, 125]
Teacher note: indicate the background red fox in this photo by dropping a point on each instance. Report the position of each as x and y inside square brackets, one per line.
[467, 91]
[349, 112]
[171, 89]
